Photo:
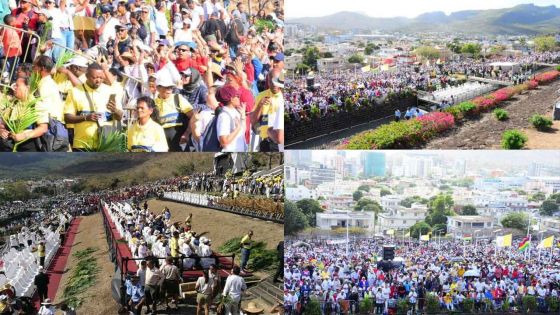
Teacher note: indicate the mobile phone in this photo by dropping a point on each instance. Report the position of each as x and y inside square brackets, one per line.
[112, 98]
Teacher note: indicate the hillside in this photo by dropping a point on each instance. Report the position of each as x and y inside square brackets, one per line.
[522, 19]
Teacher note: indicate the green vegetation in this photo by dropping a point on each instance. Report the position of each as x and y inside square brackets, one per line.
[549, 207]
[83, 277]
[408, 201]
[313, 307]
[112, 142]
[420, 228]
[501, 114]
[18, 116]
[545, 43]
[427, 52]
[357, 195]
[364, 188]
[513, 140]
[469, 210]
[472, 48]
[516, 220]
[15, 191]
[356, 58]
[260, 259]
[541, 122]
[310, 56]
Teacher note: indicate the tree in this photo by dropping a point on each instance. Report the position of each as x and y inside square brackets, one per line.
[327, 54]
[440, 228]
[469, 210]
[420, 228]
[310, 57]
[294, 219]
[364, 188]
[548, 207]
[356, 58]
[537, 197]
[302, 68]
[545, 43]
[427, 52]
[408, 201]
[439, 208]
[455, 46]
[357, 195]
[385, 192]
[309, 208]
[472, 48]
[516, 220]
[370, 48]
[371, 205]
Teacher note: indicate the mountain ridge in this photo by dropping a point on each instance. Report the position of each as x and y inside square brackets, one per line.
[528, 19]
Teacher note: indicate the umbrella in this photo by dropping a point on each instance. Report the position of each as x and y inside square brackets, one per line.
[472, 273]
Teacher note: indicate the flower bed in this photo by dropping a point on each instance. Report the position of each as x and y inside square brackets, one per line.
[411, 133]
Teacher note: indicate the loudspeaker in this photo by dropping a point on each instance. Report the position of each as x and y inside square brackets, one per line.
[388, 252]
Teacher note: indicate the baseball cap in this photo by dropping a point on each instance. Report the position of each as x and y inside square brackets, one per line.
[226, 93]
[279, 57]
[78, 61]
[165, 81]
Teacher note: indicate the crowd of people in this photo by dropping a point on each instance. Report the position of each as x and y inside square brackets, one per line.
[183, 75]
[164, 248]
[452, 272]
[332, 91]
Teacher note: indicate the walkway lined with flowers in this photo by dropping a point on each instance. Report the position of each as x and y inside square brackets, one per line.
[418, 132]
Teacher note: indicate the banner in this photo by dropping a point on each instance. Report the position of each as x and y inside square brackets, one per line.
[504, 240]
[547, 242]
[84, 23]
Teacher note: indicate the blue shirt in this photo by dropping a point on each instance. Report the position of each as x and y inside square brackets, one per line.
[135, 292]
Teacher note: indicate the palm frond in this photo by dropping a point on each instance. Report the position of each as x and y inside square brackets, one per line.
[112, 142]
[19, 116]
[64, 58]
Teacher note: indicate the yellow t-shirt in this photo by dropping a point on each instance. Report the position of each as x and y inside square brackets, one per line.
[50, 103]
[41, 250]
[268, 111]
[85, 133]
[168, 114]
[64, 84]
[174, 247]
[246, 242]
[147, 138]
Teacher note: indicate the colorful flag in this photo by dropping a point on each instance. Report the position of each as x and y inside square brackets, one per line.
[547, 242]
[525, 244]
[467, 237]
[407, 234]
[366, 69]
[425, 237]
[390, 232]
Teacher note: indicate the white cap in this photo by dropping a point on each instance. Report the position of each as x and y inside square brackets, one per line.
[78, 61]
[165, 80]
[187, 21]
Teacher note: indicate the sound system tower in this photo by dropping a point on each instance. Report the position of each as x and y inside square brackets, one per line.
[388, 252]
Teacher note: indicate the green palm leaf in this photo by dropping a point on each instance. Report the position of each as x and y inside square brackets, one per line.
[19, 116]
[112, 142]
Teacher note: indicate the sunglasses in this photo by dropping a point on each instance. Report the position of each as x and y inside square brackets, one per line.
[145, 12]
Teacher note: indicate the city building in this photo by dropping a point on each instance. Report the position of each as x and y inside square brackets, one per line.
[336, 218]
[475, 226]
[551, 224]
[374, 164]
[401, 218]
[389, 202]
[300, 192]
[321, 175]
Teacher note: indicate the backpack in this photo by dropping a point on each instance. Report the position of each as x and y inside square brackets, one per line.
[56, 138]
[210, 142]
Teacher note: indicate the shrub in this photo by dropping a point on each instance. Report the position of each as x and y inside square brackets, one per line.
[532, 84]
[468, 108]
[529, 303]
[541, 122]
[557, 68]
[501, 114]
[432, 304]
[366, 305]
[437, 121]
[313, 307]
[553, 303]
[513, 140]
[455, 111]
[468, 305]
[546, 77]
[402, 134]
[402, 307]
[315, 111]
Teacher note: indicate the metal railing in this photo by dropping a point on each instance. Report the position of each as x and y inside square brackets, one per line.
[26, 51]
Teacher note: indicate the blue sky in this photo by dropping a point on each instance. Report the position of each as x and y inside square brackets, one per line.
[392, 8]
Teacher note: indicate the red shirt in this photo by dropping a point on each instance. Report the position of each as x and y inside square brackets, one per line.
[20, 18]
[11, 43]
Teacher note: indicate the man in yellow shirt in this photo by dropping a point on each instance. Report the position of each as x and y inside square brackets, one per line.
[174, 113]
[90, 106]
[264, 114]
[246, 244]
[174, 247]
[41, 252]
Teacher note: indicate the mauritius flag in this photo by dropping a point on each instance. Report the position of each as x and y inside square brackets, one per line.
[525, 244]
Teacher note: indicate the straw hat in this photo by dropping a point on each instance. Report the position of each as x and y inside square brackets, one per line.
[253, 308]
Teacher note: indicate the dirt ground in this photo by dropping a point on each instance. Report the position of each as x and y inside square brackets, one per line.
[486, 133]
[97, 299]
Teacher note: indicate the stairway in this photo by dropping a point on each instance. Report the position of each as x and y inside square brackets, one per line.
[268, 291]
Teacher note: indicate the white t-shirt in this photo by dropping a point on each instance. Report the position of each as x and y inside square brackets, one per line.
[109, 30]
[204, 118]
[183, 36]
[278, 123]
[196, 14]
[226, 125]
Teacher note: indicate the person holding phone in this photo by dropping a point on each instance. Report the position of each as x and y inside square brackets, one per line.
[91, 106]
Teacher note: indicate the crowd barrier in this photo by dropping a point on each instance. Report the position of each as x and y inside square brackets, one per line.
[231, 206]
[30, 49]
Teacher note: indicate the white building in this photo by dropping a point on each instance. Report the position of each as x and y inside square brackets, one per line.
[401, 218]
[551, 223]
[292, 61]
[300, 192]
[474, 226]
[389, 202]
[330, 64]
[336, 218]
